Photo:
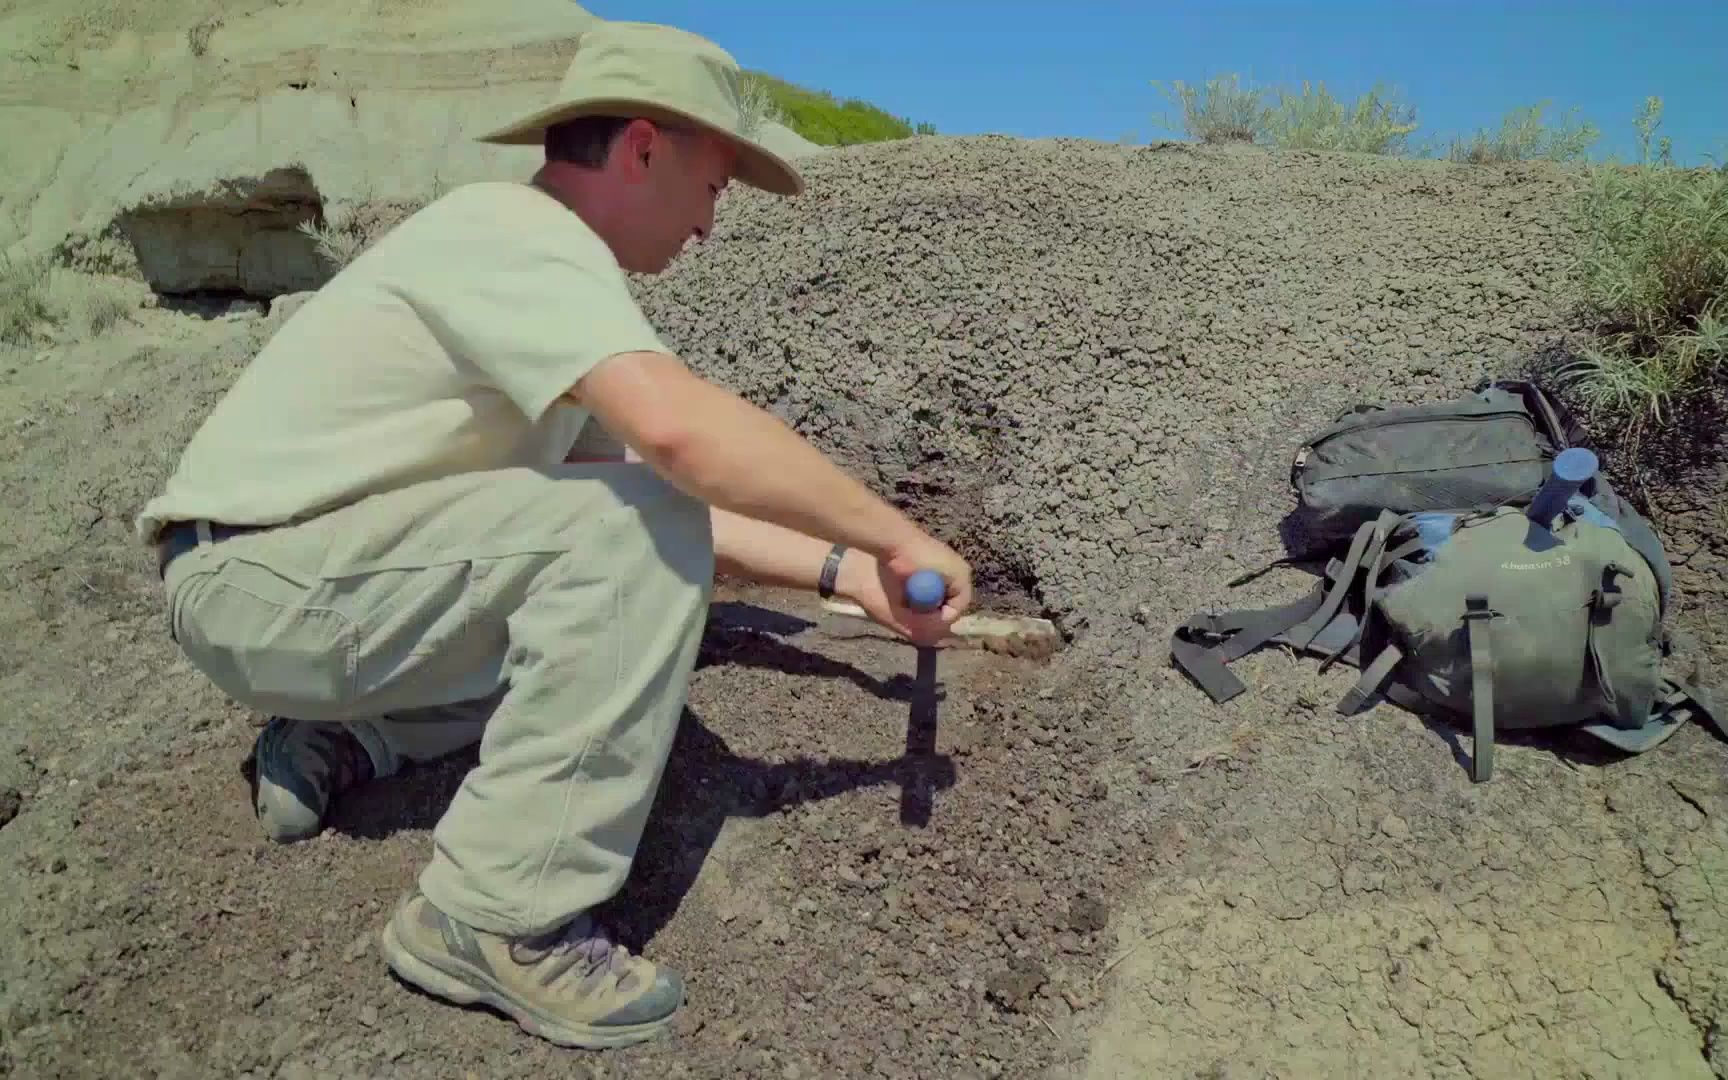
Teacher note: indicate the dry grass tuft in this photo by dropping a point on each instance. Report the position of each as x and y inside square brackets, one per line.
[42, 303]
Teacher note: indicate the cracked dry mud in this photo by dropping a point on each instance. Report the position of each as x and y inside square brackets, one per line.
[1086, 366]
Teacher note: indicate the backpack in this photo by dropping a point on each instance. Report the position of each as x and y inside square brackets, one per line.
[1465, 582]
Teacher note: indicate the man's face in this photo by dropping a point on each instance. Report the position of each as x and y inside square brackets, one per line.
[683, 179]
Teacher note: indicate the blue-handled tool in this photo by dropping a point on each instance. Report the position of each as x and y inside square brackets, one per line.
[925, 591]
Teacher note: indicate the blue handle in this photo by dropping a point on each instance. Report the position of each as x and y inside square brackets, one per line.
[1571, 469]
[925, 590]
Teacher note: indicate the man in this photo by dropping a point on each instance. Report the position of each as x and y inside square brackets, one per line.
[382, 538]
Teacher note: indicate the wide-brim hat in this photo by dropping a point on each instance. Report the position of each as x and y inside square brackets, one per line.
[663, 74]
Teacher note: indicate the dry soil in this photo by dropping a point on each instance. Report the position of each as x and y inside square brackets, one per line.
[1084, 364]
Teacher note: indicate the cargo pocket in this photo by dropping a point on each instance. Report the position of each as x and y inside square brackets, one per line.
[261, 639]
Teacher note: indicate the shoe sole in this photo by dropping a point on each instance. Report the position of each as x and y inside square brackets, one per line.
[433, 980]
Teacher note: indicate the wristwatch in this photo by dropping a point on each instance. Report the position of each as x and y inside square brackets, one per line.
[830, 571]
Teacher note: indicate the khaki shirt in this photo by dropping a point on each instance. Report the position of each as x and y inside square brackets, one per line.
[441, 349]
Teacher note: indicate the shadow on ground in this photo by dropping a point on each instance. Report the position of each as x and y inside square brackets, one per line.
[706, 782]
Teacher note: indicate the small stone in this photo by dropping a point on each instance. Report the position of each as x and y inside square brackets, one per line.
[58, 865]
[1013, 988]
[1057, 823]
[754, 1062]
[1087, 914]
[1395, 827]
[11, 803]
[369, 1016]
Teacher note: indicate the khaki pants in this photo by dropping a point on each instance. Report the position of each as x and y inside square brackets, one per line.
[550, 614]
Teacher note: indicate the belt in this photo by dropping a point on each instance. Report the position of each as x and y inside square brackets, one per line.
[178, 537]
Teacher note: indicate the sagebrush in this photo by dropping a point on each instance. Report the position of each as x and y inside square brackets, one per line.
[1223, 110]
[342, 236]
[1524, 136]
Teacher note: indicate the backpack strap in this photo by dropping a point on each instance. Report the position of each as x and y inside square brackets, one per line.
[1207, 642]
[1364, 547]
[1477, 616]
[1373, 678]
[1377, 557]
[1675, 697]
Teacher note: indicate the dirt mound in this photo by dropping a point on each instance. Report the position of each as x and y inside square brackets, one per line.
[1071, 355]
[1086, 365]
[236, 123]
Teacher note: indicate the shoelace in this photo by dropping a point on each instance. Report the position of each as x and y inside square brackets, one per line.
[583, 940]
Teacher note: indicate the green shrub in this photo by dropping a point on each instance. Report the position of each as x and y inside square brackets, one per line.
[826, 120]
[1524, 137]
[1652, 268]
[1315, 120]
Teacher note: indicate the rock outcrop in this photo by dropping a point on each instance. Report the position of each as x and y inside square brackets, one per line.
[187, 140]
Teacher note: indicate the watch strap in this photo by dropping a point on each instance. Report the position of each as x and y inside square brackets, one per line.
[830, 572]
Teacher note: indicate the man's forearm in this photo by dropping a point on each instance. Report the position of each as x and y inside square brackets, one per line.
[721, 461]
[767, 554]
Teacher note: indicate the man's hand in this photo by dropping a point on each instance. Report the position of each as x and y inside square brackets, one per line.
[769, 554]
[879, 587]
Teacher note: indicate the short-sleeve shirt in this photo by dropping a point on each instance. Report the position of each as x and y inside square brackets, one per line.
[443, 348]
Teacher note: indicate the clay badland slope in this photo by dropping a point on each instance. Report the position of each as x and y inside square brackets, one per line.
[1086, 365]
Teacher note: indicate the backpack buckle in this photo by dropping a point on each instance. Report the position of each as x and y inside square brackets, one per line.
[1476, 607]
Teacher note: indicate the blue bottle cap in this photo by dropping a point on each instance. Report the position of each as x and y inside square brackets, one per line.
[1575, 465]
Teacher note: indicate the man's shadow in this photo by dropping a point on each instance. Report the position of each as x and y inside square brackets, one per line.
[704, 784]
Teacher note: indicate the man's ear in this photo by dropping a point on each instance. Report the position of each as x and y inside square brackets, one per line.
[634, 143]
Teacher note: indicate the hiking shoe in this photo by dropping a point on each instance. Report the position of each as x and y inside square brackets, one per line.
[573, 986]
[299, 767]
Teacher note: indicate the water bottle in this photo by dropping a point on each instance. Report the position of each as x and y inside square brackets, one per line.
[1572, 469]
[1434, 528]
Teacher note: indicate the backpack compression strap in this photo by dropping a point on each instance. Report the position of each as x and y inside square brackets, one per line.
[1477, 615]
[1204, 644]
[1691, 702]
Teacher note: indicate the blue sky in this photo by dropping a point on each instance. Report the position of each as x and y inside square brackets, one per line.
[1085, 69]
